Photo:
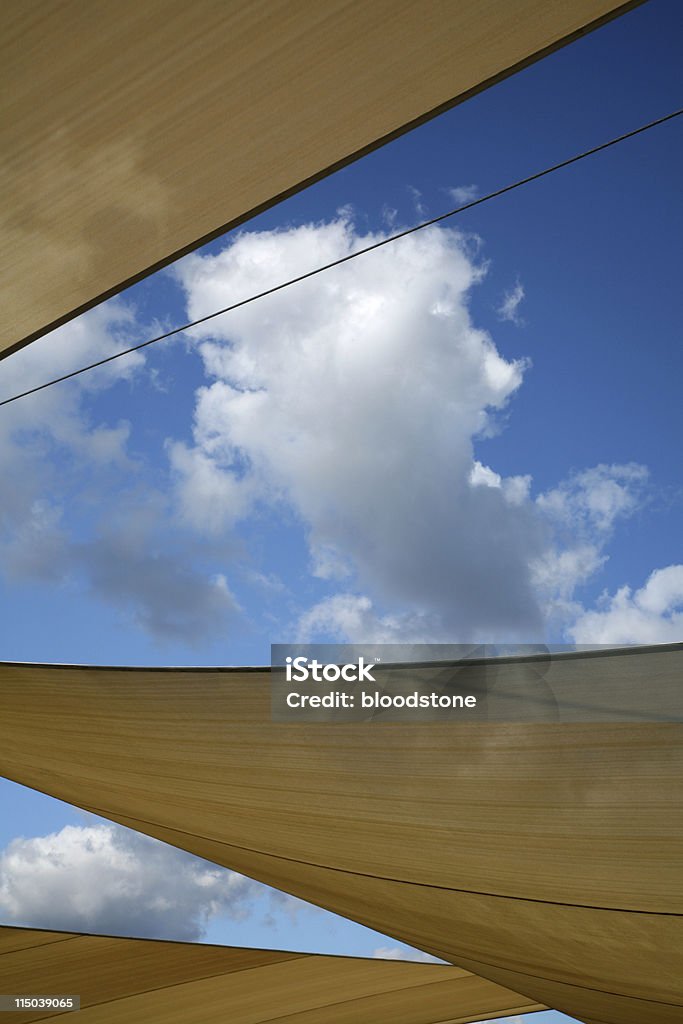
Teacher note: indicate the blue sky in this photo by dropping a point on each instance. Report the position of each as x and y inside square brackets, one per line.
[472, 433]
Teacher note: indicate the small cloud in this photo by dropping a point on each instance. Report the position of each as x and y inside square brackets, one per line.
[349, 615]
[38, 549]
[462, 194]
[484, 476]
[511, 1020]
[389, 215]
[285, 909]
[404, 953]
[268, 582]
[582, 512]
[651, 615]
[420, 208]
[167, 596]
[516, 489]
[345, 211]
[593, 499]
[508, 309]
[158, 381]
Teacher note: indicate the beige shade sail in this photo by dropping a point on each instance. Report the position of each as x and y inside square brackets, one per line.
[154, 982]
[132, 132]
[547, 858]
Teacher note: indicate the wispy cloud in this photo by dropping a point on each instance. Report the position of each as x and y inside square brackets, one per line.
[461, 194]
[82, 509]
[583, 512]
[404, 953]
[509, 306]
[526, 1019]
[416, 196]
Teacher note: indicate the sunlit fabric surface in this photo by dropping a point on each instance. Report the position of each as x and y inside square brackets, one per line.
[124, 980]
[132, 131]
[547, 858]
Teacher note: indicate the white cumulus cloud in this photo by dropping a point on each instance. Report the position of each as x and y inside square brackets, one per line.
[104, 878]
[350, 407]
[651, 614]
[355, 399]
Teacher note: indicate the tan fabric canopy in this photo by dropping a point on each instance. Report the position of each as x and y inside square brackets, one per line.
[152, 982]
[134, 131]
[546, 858]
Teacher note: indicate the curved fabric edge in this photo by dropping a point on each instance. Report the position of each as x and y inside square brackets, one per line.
[163, 982]
[114, 164]
[547, 858]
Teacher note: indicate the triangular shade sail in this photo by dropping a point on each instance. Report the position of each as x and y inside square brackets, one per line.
[547, 858]
[121, 980]
[133, 131]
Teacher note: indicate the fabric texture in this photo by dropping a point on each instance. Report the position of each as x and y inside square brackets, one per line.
[133, 131]
[547, 858]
